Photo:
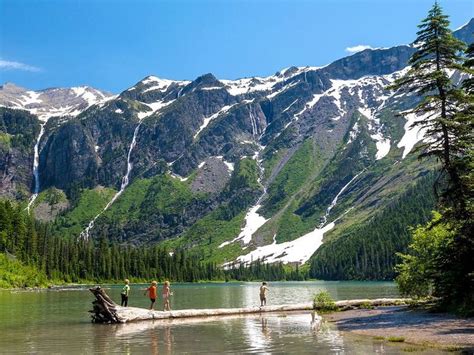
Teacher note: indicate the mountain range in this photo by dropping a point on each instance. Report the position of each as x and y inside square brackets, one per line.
[312, 165]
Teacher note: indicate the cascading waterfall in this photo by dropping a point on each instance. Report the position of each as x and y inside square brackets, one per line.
[334, 201]
[36, 169]
[85, 234]
[253, 122]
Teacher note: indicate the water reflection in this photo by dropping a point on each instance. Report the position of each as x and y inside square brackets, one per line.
[259, 333]
[53, 322]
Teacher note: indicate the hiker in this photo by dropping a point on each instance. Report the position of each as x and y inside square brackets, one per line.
[125, 292]
[152, 292]
[166, 293]
[263, 294]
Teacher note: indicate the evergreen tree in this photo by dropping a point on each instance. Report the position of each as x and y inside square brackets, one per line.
[437, 56]
[446, 113]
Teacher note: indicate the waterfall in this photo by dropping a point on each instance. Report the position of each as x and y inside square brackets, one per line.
[36, 169]
[85, 234]
[334, 201]
[253, 122]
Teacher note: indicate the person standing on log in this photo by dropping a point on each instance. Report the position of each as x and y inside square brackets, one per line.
[166, 292]
[125, 292]
[263, 294]
[152, 292]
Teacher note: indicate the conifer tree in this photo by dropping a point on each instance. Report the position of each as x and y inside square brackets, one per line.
[446, 113]
[429, 77]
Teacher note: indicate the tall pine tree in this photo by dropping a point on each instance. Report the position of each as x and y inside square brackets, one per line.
[445, 113]
[429, 77]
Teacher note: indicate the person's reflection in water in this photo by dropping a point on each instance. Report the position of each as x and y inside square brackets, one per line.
[265, 331]
[315, 322]
[168, 339]
[154, 348]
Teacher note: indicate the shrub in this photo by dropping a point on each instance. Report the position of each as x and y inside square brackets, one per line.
[324, 302]
[366, 305]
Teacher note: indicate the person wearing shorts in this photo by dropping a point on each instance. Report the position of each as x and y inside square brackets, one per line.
[152, 292]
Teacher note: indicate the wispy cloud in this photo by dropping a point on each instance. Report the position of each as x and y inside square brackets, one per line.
[12, 65]
[358, 48]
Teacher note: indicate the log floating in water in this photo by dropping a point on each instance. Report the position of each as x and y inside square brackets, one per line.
[107, 311]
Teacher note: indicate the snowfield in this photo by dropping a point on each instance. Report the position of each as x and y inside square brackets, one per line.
[412, 134]
[295, 251]
[253, 221]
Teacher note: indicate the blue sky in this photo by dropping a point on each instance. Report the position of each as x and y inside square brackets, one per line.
[113, 44]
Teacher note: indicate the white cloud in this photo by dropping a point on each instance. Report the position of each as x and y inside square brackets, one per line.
[11, 65]
[358, 48]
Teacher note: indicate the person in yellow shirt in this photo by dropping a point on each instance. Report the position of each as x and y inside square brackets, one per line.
[125, 292]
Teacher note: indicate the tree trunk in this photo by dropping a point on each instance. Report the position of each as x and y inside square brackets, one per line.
[107, 311]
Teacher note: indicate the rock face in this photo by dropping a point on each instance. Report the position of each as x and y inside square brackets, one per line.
[18, 130]
[195, 162]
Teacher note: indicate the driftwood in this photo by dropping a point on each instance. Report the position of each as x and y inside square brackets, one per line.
[107, 311]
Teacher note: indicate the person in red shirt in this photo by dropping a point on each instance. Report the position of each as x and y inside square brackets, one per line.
[152, 292]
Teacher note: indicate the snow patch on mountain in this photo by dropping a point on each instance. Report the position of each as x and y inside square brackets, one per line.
[295, 251]
[229, 165]
[52, 102]
[413, 134]
[253, 221]
[158, 84]
[375, 129]
[256, 84]
[154, 107]
[354, 132]
[289, 106]
[207, 120]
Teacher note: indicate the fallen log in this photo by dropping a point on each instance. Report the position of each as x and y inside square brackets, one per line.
[105, 310]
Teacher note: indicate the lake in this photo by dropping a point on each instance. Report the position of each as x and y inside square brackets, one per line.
[50, 321]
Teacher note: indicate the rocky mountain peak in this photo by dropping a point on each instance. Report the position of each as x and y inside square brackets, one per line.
[466, 32]
[52, 101]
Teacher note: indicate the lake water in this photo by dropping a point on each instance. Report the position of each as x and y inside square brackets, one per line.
[58, 322]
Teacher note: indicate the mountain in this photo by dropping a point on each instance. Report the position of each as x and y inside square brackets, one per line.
[233, 170]
[51, 102]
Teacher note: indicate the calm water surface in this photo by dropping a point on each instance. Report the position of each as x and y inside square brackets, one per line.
[58, 322]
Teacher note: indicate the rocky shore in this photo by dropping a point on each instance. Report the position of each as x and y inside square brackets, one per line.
[402, 324]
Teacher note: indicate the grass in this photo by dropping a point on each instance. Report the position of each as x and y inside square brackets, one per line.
[51, 196]
[91, 202]
[270, 163]
[208, 233]
[395, 339]
[291, 177]
[413, 349]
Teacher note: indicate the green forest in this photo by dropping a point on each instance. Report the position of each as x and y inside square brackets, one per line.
[39, 258]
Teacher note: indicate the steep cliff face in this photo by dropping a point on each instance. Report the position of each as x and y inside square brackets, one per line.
[234, 169]
[18, 130]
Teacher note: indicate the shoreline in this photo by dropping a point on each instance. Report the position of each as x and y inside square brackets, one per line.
[401, 324]
[120, 283]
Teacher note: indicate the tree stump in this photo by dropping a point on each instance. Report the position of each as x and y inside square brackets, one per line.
[104, 308]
